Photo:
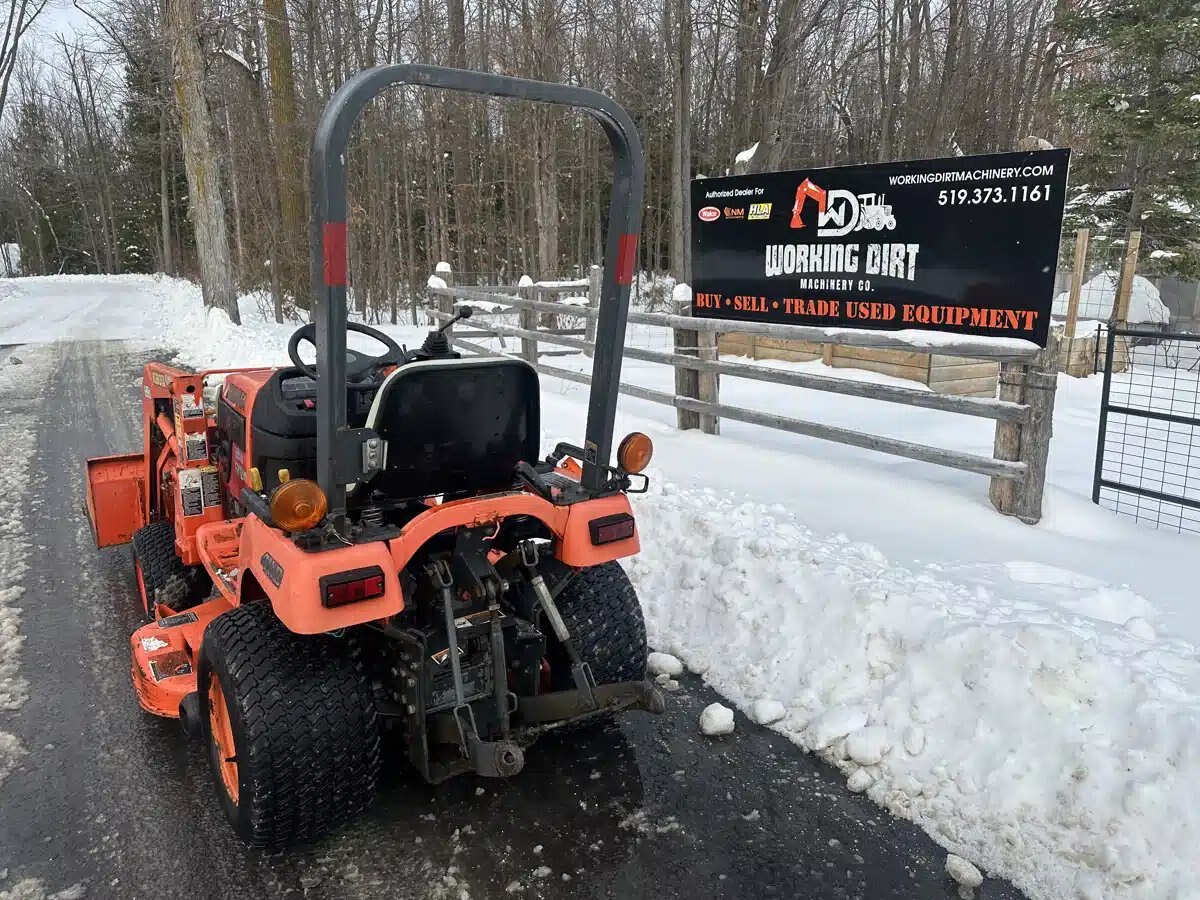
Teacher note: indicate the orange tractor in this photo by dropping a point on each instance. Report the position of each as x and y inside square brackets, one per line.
[371, 550]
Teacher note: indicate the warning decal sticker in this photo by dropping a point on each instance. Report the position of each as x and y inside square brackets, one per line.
[176, 620]
[191, 409]
[189, 492]
[197, 446]
[210, 486]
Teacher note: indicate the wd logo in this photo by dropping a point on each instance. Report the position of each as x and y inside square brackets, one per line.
[840, 212]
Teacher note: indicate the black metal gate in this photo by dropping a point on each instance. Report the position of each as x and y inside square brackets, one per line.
[1148, 452]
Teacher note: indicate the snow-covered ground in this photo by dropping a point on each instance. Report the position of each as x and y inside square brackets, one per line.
[1030, 695]
[16, 445]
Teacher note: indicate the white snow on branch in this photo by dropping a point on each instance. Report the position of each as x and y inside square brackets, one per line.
[746, 155]
[237, 58]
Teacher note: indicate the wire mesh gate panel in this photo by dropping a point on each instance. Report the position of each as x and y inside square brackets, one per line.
[1148, 451]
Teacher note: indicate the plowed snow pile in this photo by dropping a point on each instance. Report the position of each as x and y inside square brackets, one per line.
[20, 385]
[1061, 751]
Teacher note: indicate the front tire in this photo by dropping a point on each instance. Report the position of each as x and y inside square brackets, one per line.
[290, 728]
[601, 610]
[161, 575]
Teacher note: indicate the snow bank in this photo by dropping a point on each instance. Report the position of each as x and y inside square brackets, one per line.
[1097, 295]
[1050, 747]
[18, 384]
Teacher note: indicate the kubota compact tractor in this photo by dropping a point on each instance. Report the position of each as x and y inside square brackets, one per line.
[374, 545]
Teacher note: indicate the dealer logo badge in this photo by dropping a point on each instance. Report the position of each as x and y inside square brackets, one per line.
[759, 211]
[841, 212]
[709, 214]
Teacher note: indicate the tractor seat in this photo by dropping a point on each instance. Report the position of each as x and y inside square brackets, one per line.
[455, 426]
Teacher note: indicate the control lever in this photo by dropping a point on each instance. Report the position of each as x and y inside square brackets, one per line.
[531, 477]
[464, 312]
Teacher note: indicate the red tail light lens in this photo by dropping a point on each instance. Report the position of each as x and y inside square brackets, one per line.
[352, 586]
[611, 528]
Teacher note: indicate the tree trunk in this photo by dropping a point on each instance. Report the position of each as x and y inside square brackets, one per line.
[206, 208]
[681, 146]
[289, 158]
[164, 197]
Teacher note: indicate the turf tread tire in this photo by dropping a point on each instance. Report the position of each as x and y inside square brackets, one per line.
[305, 728]
[601, 610]
[163, 572]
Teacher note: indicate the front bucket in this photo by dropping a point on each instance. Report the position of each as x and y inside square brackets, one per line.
[116, 490]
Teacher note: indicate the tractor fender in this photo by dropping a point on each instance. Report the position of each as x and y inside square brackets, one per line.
[569, 524]
[291, 579]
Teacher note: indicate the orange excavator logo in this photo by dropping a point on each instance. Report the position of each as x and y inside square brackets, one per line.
[806, 190]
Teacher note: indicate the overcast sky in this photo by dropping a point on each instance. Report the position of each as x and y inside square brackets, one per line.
[61, 16]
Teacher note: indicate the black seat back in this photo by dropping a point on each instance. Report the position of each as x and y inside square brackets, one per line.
[455, 426]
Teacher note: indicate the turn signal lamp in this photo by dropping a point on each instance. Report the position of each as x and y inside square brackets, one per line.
[297, 505]
[635, 452]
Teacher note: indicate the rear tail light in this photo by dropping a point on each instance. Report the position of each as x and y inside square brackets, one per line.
[611, 528]
[352, 586]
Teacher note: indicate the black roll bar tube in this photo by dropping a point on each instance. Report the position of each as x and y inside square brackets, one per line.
[329, 253]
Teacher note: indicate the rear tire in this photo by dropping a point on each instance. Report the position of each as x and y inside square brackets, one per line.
[301, 723]
[161, 575]
[601, 610]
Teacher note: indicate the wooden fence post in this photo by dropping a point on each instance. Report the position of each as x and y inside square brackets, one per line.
[445, 302]
[687, 381]
[1077, 270]
[595, 279]
[1034, 384]
[529, 321]
[1120, 310]
[709, 383]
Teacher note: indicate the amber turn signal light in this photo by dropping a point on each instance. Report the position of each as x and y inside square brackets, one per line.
[297, 505]
[635, 452]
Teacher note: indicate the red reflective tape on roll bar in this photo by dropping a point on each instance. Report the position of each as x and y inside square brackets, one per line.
[334, 244]
[626, 258]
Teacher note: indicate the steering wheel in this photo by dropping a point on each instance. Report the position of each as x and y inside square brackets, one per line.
[358, 365]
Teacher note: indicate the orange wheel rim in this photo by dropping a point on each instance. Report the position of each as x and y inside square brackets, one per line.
[222, 735]
[141, 580]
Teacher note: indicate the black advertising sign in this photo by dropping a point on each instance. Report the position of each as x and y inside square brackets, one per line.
[967, 245]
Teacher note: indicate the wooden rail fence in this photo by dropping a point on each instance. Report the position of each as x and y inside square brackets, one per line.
[1023, 412]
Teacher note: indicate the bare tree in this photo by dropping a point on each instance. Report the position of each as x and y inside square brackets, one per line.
[206, 208]
[21, 16]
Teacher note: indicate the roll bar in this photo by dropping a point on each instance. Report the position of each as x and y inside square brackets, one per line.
[340, 450]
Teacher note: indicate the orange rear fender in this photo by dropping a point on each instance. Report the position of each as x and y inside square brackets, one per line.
[291, 579]
[568, 524]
